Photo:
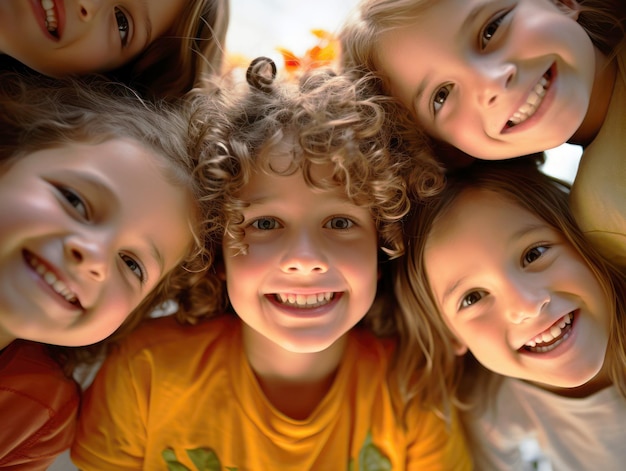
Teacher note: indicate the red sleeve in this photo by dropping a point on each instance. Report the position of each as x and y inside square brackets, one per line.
[38, 406]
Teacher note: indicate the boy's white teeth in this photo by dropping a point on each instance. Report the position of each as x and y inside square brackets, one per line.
[552, 337]
[51, 19]
[50, 278]
[305, 300]
[534, 99]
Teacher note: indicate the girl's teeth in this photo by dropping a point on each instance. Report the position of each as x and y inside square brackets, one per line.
[50, 278]
[552, 333]
[532, 103]
[51, 19]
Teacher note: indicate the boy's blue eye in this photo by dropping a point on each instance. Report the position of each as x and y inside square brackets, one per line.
[340, 223]
[75, 201]
[265, 224]
[134, 266]
[122, 25]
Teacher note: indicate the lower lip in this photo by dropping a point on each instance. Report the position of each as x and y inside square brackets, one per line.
[308, 313]
[562, 348]
[539, 112]
[40, 16]
[51, 293]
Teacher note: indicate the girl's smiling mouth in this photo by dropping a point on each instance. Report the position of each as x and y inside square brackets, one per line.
[51, 279]
[551, 338]
[533, 100]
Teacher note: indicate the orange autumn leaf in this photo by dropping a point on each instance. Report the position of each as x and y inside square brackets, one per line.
[322, 54]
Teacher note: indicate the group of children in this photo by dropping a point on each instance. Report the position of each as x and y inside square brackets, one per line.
[350, 292]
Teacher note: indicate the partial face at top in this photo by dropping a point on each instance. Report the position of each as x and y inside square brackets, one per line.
[494, 78]
[516, 293]
[86, 232]
[60, 37]
[311, 270]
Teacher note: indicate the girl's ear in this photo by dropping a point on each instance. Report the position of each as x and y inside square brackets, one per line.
[459, 347]
[570, 8]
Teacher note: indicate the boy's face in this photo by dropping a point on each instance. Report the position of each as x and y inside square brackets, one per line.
[87, 232]
[61, 37]
[496, 79]
[310, 273]
[516, 293]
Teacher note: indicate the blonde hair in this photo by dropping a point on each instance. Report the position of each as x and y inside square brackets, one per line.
[446, 377]
[175, 62]
[41, 113]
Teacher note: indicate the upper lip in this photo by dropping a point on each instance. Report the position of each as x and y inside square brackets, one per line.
[53, 278]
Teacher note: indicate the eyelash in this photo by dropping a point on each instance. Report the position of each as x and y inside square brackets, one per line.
[465, 305]
[482, 40]
[276, 225]
[123, 25]
[329, 225]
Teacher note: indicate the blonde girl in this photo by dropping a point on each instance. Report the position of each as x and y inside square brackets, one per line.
[159, 48]
[509, 78]
[101, 217]
[522, 319]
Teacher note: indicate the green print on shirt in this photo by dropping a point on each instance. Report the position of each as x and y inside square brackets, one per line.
[205, 459]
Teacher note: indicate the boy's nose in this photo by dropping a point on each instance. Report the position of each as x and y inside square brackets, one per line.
[304, 256]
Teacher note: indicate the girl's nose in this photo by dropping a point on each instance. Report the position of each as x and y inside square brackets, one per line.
[493, 80]
[525, 302]
[89, 256]
[87, 9]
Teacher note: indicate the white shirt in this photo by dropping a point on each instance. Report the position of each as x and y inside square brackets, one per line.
[529, 428]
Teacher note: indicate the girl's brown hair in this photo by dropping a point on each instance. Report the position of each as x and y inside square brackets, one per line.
[521, 182]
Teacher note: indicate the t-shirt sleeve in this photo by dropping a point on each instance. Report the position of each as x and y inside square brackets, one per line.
[38, 406]
[111, 431]
[435, 444]
[35, 434]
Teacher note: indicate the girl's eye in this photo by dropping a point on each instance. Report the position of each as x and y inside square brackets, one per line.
[472, 298]
[490, 30]
[440, 97]
[533, 254]
[341, 223]
[134, 266]
[265, 224]
[75, 201]
[122, 25]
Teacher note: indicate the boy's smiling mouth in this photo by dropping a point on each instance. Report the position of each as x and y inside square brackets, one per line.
[307, 301]
[552, 337]
[533, 101]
